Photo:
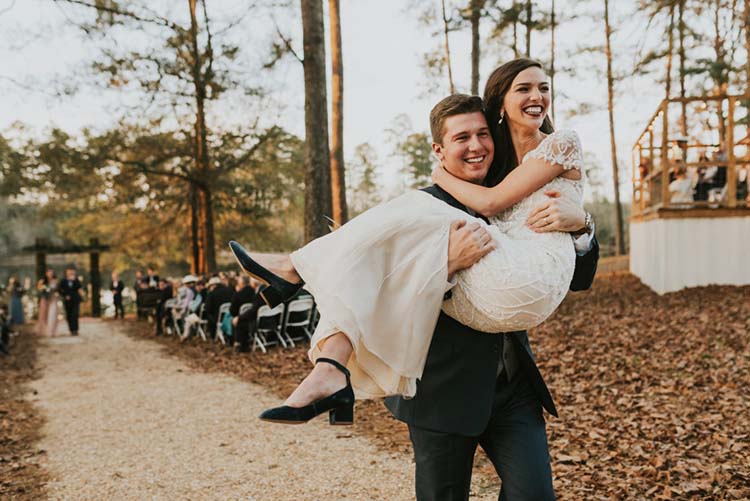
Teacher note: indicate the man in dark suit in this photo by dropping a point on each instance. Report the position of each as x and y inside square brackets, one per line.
[151, 280]
[219, 293]
[241, 324]
[116, 286]
[483, 389]
[70, 290]
[166, 293]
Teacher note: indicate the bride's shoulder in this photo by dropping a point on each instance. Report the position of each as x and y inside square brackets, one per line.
[562, 147]
[564, 136]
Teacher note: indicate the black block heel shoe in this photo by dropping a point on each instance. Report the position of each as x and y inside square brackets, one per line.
[278, 290]
[340, 405]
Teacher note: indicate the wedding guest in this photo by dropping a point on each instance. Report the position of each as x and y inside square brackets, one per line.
[743, 184]
[16, 292]
[243, 324]
[4, 331]
[219, 293]
[192, 319]
[185, 295]
[244, 293]
[116, 286]
[137, 286]
[52, 304]
[681, 188]
[151, 280]
[46, 292]
[70, 290]
[165, 287]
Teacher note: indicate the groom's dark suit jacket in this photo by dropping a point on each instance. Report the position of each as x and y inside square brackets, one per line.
[456, 391]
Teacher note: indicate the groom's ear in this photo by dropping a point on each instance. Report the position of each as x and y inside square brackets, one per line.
[437, 149]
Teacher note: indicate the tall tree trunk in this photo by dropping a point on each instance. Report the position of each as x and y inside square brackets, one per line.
[721, 85]
[195, 255]
[476, 14]
[528, 28]
[206, 244]
[338, 175]
[552, 62]
[619, 240]
[670, 50]
[208, 223]
[317, 160]
[681, 50]
[199, 153]
[447, 50]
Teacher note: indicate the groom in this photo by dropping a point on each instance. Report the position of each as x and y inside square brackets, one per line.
[477, 388]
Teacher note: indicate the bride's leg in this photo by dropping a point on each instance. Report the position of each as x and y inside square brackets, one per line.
[324, 379]
[279, 264]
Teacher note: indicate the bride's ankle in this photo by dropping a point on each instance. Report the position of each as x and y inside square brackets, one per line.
[288, 271]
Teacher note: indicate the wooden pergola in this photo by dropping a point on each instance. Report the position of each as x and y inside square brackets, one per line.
[688, 227]
[663, 151]
[42, 248]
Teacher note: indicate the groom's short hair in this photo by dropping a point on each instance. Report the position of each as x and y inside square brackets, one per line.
[455, 104]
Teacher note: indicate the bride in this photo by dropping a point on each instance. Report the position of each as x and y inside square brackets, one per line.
[380, 280]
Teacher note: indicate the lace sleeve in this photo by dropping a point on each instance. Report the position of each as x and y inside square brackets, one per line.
[562, 147]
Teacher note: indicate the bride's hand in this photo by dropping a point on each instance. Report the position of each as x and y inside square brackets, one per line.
[557, 214]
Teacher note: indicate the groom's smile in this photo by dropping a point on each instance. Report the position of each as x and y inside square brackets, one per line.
[467, 149]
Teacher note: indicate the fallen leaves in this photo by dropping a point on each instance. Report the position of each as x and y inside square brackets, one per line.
[653, 388]
[652, 392]
[21, 477]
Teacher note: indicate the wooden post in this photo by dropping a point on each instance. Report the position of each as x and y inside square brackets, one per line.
[96, 282]
[665, 155]
[652, 165]
[41, 258]
[731, 199]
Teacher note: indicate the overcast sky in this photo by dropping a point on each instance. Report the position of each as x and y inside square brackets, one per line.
[383, 48]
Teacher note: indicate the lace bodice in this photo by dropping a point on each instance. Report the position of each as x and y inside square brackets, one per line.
[562, 147]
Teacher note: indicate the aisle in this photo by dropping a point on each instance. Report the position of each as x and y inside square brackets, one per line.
[126, 422]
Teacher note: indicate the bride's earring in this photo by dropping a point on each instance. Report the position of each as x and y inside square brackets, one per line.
[502, 115]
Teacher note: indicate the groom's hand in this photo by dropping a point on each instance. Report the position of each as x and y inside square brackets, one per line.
[557, 214]
[467, 244]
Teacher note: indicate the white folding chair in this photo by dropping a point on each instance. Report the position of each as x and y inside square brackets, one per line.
[201, 327]
[259, 339]
[169, 307]
[299, 313]
[223, 310]
[269, 322]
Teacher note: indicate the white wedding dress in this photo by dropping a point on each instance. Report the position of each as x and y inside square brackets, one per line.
[380, 279]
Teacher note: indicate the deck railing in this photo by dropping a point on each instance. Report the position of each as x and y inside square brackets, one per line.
[693, 154]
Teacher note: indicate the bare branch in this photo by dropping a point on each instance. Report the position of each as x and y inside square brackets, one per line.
[287, 43]
[158, 20]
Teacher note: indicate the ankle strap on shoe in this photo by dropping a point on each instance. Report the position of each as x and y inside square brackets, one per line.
[335, 364]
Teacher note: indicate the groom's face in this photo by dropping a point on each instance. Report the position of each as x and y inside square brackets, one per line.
[467, 148]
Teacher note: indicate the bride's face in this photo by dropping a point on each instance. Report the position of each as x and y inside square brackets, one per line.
[467, 147]
[528, 99]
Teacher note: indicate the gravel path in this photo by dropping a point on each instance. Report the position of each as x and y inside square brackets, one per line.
[126, 422]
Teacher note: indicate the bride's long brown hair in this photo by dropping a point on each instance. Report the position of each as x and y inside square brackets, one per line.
[497, 86]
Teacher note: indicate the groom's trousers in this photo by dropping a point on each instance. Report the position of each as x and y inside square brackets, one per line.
[515, 440]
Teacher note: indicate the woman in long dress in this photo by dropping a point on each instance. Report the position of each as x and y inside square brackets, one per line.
[43, 292]
[52, 304]
[379, 281]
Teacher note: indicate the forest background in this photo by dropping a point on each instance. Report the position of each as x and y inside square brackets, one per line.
[166, 128]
